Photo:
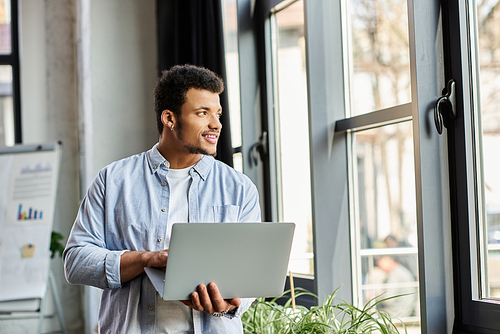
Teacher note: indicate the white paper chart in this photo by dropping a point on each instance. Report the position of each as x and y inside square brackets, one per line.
[28, 185]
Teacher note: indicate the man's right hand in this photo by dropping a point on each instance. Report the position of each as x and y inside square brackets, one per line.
[132, 263]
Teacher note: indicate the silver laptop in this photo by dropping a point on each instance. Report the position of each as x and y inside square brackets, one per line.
[243, 259]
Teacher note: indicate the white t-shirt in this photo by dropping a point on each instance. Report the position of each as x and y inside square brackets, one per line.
[178, 181]
[174, 316]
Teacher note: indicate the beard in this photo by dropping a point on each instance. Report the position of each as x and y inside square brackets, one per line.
[193, 149]
[197, 150]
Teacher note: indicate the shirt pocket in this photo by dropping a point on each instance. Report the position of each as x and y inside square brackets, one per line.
[226, 213]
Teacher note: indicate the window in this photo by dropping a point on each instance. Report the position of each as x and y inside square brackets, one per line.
[488, 140]
[10, 127]
[378, 167]
[377, 177]
[230, 23]
[382, 185]
[271, 42]
[474, 182]
[292, 131]
[380, 68]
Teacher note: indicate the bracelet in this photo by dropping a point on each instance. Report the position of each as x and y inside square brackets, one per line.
[219, 314]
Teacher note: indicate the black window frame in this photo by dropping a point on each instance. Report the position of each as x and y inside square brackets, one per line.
[471, 315]
[12, 59]
[256, 94]
[264, 10]
[252, 41]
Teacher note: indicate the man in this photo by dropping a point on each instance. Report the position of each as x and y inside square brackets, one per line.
[395, 275]
[124, 222]
[410, 262]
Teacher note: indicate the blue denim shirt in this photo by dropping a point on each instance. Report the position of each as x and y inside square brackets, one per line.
[125, 209]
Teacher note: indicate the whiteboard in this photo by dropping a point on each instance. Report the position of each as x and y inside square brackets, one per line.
[28, 186]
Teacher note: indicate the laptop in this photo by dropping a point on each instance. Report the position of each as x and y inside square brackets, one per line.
[245, 260]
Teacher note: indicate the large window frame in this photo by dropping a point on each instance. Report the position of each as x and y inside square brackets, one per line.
[472, 314]
[446, 216]
[256, 91]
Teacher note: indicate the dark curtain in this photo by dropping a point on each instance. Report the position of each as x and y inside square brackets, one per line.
[190, 32]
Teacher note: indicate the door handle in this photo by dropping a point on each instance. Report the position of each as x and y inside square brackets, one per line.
[448, 98]
[259, 149]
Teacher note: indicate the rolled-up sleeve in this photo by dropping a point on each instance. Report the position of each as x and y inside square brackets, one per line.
[244, 306]
[87, 259]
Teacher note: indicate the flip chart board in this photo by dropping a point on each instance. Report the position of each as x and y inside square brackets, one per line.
[28, 185]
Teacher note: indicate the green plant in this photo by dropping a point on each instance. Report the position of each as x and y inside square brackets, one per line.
[55, 244]
[341, 318]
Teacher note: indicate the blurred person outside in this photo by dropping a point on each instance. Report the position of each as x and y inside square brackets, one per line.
[410, 261]
[396, 276]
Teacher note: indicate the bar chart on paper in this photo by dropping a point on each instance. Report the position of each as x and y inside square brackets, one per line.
[29, 213]
[28, 187]
[30, 192]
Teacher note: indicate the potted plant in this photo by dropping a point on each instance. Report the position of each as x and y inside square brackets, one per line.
[271, 318]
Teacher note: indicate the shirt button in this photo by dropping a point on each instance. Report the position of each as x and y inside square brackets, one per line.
[154, 167]
[150, 307]
[165, 164]
[163, 210]
[164, 183]
[160, 239]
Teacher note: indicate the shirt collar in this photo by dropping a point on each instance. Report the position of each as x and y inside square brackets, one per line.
[156, 160]
[204, 166]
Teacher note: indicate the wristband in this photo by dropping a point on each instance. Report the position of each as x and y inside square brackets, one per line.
[219, 314]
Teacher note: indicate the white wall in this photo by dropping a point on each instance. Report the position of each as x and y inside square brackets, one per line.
[123, 53]
[49, 113]
[123, 73]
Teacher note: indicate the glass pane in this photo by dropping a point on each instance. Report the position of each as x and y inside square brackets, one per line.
[291, 119]
[238, 162]
[386, 219]
[7, 137]
[232, 68]
[488, 27]
[380, 70]
[5, 34]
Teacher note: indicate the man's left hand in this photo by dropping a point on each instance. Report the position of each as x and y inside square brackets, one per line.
[208, 299]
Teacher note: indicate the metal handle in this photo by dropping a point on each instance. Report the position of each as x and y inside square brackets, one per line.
[450, 99]
[258, 149]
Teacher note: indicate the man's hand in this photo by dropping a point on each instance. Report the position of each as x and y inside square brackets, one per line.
[208, 299]
[132, 263]
[157, 259]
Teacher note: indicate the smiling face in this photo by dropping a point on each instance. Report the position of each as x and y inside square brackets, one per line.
[197, 129]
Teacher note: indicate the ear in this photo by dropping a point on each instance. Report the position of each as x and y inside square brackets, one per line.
[168, 118]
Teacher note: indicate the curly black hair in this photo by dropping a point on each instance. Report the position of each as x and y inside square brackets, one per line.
[171, 88]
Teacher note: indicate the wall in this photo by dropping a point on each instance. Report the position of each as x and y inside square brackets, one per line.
[122, 72]
[123, 53]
